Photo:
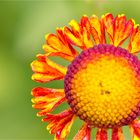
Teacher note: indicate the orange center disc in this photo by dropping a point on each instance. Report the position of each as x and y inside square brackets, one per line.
[102, 86]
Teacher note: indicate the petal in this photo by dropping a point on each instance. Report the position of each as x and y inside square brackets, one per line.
[135, 130]
[76, 29]
[118, 29]
[83, 133]
[46, 70]
[79, 34]
[85, 24]
[101, 134]
[97, 30]
[63, 39]
[86, 39]
[57, 45]
[131, 40]
[117, 134]
[50, 52]
[122, 29]
[45, 78]
[108, 21]
[46, 99]
[74, 39]
[135, 41]
[74, 34]
[60, 124]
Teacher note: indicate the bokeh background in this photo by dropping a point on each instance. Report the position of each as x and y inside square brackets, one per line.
[23, 25]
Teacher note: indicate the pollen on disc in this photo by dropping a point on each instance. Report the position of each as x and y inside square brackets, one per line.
[102, 86]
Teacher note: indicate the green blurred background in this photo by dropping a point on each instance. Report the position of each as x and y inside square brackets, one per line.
[23, 25]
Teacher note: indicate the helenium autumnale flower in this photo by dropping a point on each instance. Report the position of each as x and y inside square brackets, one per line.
[101, 84]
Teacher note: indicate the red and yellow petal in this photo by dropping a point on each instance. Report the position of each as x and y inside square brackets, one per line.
[79, 34]
[39, 77]
[86, 39]
[108, 22]
[57, 45]
[136, 43]
[118, 29]
[97, 30]
[134, 46]
[117, 134]
[74, 39]
[60, 124]
[135, 130]
[122, 29]
[46, 99]
[46, 70]
[57, 53]
[83, 133]
[61, 44]
[63, 39]
[86, 31]
[75, 28]
[131, 40]
[85, 23]
[53, 41]
[101, 134]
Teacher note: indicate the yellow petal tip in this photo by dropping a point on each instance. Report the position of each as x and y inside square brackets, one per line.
[72, 22]
[38, 115]
[31, 64]
[94, 16]
[121, 15]
[44, 46]
[33, 101]
[46, 36]
[32, 77]
[105, 15]
[57, 28]
[85, 15]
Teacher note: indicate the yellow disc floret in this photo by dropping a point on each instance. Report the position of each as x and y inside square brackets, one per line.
[104, 89]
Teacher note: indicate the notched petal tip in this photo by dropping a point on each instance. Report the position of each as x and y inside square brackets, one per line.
[97, 30]
[73, 38]
[94, 16]
[74, 24]
[84, 16]
[135, 42]
[84, 133]
[32, 100]
[60, 124]
[57, 45]
[60, 29]
[46, 70]
[106, 15]
[47, 35]
[47, 99]
[118, 28]
[33, 77]
[121, 15]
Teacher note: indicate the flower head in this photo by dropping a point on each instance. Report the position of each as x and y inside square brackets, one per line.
[101, 84]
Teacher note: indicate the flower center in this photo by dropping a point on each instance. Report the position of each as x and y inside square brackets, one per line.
[102, 86]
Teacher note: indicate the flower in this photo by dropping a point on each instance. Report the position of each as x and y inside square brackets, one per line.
[101, 84]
